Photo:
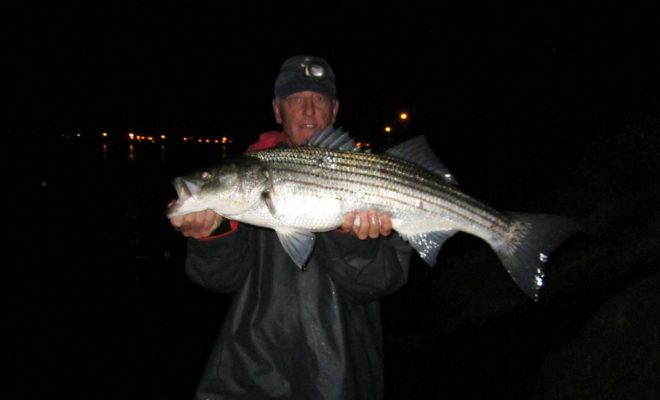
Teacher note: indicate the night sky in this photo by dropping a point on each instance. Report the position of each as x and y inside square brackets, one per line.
[541, 106]
[191, 66]
[494, 87]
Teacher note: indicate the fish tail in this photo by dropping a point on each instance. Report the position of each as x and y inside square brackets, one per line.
[525, 249]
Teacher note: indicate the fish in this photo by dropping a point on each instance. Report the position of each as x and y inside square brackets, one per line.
[301, 190]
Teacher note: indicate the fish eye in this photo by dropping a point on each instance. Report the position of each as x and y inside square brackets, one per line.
[206, 176]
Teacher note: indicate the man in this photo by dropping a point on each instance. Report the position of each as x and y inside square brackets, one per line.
[293, 334]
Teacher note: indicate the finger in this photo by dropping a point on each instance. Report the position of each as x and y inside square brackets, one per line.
[385, 224]
[193, 225]
[187, 225]
[374, 224]
[347, 225]
[200, 218]
[209, 221]
[363, 229]
[216, 221]
[176, 222]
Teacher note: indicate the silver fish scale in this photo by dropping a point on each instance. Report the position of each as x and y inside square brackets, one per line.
[341, 181]
[306, 189]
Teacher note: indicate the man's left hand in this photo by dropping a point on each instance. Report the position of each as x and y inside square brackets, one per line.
[367, 223]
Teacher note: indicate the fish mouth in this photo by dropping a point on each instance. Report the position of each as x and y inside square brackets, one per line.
[173, 208]
[185, 190]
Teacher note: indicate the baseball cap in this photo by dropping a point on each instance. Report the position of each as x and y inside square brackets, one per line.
[305, 73]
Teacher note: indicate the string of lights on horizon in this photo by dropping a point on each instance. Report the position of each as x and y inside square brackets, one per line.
[133, 136]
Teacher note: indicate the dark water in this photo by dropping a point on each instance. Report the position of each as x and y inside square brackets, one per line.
[100, 307]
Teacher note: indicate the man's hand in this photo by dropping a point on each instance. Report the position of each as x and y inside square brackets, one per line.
[368, 223]
[198, 224]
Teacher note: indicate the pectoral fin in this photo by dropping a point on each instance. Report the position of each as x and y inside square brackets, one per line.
[268, 194]
[298, 245]
[428, 244]
[268, 199]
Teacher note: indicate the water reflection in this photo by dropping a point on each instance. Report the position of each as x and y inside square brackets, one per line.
[164, 153]
[131, 152]
[104, 151]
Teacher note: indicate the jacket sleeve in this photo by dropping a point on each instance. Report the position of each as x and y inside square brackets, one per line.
[220, 263]
[366, 270]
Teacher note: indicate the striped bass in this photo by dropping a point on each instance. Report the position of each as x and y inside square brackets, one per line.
[305, 189]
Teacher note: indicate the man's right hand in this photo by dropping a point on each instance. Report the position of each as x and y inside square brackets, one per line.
[198, 224]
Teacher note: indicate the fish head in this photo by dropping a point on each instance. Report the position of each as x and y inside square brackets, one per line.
[230, 190]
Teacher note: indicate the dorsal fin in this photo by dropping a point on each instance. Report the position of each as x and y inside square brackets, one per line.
[418, 151]
[331, 138]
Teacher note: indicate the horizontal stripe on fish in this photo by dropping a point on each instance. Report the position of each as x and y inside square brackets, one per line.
[305, 189]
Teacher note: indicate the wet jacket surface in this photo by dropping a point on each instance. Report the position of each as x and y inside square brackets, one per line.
[292, 334]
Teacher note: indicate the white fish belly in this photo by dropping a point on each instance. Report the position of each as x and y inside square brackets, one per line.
[307, 211]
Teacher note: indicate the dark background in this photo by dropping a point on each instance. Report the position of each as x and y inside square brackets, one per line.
[534, 106]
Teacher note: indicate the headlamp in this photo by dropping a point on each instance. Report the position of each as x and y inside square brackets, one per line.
[313, 69]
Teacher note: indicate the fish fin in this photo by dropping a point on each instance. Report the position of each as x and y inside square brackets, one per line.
[331, 138]
[266, 196]
[428, 244]
[533, 238]
[298, 245]
[268, 193]
[418, 151]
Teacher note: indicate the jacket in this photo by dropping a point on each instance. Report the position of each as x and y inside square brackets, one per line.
[292, 334]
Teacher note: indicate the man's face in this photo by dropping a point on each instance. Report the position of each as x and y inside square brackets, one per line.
[302, 114]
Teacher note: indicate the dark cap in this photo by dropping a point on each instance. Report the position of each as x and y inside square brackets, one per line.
[305, 73]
